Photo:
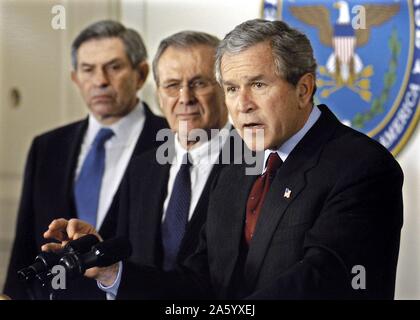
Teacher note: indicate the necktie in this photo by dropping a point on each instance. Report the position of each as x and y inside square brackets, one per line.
[88, 184]
[257, 195]
[173, 227]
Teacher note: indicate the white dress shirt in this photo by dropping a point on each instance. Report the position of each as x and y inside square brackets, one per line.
[203, 157]
[118, 151]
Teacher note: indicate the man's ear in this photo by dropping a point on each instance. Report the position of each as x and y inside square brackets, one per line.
[305, 88]
[143, 70]
[74, 78]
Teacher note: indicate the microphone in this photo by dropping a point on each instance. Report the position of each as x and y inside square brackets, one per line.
[46, 260]
[102, 254]
[43, 262]
[81, 245]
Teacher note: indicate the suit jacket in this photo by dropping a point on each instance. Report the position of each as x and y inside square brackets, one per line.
[48, 194]
[142, 196]
[334, 236]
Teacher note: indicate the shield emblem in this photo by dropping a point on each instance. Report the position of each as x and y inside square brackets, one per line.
[368, 62]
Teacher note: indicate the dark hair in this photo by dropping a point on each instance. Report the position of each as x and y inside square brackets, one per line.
[134, 46]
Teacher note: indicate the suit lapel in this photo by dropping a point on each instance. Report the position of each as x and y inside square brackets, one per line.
[200, 212]
[145, 141]
[230, 217]
[74, 146]
[151, 208]
[147, 138]
[198, 216]
[201, 207]
[271, 214]
[291, 176]
[231, 222]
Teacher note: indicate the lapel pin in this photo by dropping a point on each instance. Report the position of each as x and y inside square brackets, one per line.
[287, 193]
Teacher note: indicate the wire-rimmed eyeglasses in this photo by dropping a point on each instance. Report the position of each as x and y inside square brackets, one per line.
[198, 86]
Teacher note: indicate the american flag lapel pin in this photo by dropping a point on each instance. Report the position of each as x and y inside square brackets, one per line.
[287, 193]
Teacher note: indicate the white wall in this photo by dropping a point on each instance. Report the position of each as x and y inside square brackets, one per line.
[156, 19]
[30, 51]
[408, 276]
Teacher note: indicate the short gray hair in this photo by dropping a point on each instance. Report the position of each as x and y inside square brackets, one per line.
[133, 43]
[291, 49]
[180, 40]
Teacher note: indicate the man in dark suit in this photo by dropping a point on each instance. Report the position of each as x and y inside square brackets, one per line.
[109, 67]
[193, 104]
[323, 218]
[189, 96]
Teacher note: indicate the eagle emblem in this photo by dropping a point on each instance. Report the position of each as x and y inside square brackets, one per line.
[344, 67]
[368, 61]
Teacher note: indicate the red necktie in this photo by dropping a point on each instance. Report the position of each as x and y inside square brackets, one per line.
[258, 193]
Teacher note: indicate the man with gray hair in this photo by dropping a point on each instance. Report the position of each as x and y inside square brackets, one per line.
[164, 200]
[323, 218]
[75, 171]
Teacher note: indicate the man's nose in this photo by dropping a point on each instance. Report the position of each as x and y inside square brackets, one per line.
[101, 78]
[187, 95]
[245, 103]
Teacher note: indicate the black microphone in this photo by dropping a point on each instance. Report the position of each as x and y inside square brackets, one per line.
[81, 245]
[103, 254]
[43, 262]
[46, 260]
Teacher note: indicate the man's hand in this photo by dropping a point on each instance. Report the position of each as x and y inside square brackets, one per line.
[67, 230]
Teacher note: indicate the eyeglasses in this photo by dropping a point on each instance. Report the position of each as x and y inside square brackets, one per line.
[198, 87]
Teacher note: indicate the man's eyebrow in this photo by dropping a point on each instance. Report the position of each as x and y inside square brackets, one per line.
[115, 60]
[197, 77]
[87, 64]
[255, 78]
[228, 83]
[248, 80]
[170, 80]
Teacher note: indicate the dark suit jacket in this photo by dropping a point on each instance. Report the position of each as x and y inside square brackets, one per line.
[142, 196]
[344, 210]
[48, 194]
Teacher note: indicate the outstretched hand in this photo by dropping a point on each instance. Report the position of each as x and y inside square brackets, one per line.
[67, 230]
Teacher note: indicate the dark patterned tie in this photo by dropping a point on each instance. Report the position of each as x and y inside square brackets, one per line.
[257, 195]
[88, 184]
[173, 227]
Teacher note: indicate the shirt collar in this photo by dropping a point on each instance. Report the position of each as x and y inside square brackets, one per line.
[123, 128]
[205, 153]
[287, 147]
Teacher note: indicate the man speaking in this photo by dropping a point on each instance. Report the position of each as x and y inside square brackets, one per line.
[328, 199]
